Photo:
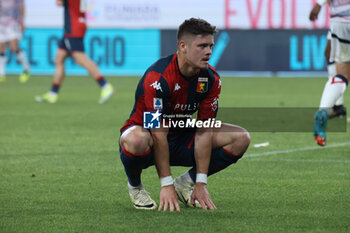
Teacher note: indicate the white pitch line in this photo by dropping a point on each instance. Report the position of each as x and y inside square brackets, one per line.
[296, 150]
[316, 160]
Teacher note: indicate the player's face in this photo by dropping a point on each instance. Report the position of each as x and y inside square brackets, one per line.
[199, 50]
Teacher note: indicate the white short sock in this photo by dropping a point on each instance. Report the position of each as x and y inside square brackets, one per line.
[133, 187]
[331, 73]
[21, 57]
[187, 178]
[3, 61]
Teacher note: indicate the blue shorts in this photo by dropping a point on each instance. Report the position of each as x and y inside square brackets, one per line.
[181, 149]
[71, 44]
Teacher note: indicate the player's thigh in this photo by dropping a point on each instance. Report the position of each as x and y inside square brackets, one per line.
[3, 47]
[80, 57]
[61, 56]
[344, 69]
[228, 134]
[135, 135]
[14, 45]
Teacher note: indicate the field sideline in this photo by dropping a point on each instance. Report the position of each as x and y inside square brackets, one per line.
[60, 169]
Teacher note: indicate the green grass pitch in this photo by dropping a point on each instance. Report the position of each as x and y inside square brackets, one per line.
[60, 169]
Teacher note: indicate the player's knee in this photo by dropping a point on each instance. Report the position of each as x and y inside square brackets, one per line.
[242, 141]
[59, 60]
[245, 138]
[14, 49]
[137, 143]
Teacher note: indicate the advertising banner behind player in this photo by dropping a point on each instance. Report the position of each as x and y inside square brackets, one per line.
[160, 14]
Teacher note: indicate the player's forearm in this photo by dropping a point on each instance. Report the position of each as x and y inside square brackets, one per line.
[21, 12]
[161, 153]
[202, 150]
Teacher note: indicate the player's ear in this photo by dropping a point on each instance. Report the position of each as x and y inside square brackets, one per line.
[182, 46]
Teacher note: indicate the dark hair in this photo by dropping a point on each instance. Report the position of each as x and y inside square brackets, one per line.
[195, 27]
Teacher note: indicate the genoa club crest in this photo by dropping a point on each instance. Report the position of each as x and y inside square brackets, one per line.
[202, 85]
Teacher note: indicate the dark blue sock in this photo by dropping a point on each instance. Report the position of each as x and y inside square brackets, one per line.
[133, 165]
[101, 81]
[220, 159]
[55, 87]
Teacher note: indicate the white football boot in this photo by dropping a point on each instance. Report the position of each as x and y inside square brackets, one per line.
[140, 198]
[184, 190]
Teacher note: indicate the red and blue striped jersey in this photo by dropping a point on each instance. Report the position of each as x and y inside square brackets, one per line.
[164, 88]
[74, 18]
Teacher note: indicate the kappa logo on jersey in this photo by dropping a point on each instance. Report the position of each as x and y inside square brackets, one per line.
[157, 103]
[202, 85]
[214, 104]
[156, 85]
[151, 120]
[177, 87]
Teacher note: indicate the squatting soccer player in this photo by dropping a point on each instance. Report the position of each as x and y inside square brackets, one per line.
[72, 45]
[340, 53]
[182, 83]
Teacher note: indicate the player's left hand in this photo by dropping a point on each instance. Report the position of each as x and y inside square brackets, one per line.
[168, 198]
[201, 194]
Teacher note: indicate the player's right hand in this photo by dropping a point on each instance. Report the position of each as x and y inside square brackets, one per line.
[201, 194]
[168, 198]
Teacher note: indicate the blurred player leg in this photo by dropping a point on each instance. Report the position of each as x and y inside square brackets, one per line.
[22, 59]
[338, 110]
[107, 89]
[52, 95]
[336, 86]
[3, 61]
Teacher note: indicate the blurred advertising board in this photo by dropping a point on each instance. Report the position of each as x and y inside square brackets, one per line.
[236, 52]
[267, 52]
[116, 52]
[166, 14]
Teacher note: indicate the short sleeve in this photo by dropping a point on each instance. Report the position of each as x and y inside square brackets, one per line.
[156, 92]
[209, 106]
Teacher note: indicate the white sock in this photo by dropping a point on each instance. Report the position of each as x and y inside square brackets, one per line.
[3, 61]
[105, 86]
[331, 73]
[340, 101]
[331, 70]
[134, 187]
[332, 91]
[187, 178]
[21, 57]
[53, 93]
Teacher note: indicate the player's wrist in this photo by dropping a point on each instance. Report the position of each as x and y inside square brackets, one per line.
[166, 181]
[202, 178]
